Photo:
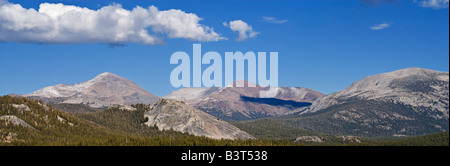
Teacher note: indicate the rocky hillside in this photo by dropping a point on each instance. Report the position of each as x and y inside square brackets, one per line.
[26, 122]
[411, 101]
[169, 114]
[244, 103]
[101, 92]
[22, 120]
[33, 123]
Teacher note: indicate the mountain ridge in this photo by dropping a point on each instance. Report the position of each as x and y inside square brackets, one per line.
[406, 102]
[103, 91]
[382, 86]
[231, 102]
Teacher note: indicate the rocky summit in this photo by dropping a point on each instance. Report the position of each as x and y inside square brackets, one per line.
[411, 86]
[103, 91]
[169, 114]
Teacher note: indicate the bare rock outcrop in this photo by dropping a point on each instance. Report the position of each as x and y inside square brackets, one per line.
[169, 114]
[15, 121]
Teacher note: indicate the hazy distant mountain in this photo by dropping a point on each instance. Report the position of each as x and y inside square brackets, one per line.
[169, 114]
[101, 92]
[411, 101]
[242, 103]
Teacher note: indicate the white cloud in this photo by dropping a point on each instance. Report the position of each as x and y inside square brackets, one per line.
[245, 31]
[380, 26]
[59, 23]
[273, 20]
[437, 4]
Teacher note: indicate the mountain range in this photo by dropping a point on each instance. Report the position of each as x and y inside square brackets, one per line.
[229, 103]
[407, 102]
[27, 122]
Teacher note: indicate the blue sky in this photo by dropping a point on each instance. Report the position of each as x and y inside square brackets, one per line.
[323, 44]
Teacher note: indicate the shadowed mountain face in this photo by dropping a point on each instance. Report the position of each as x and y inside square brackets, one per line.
[244, 103]
[275, 102]
[411, 101]
[101, 92]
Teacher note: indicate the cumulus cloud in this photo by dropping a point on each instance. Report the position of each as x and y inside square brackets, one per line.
[245, 31]
[59, 23]
[273, 20]
[380, 26]
[436, 4]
